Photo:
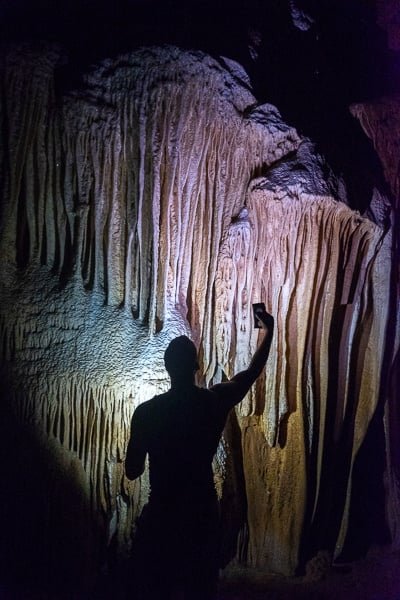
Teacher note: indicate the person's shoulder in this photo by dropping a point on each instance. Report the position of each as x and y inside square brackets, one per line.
[205, 393]
[212, 397]
[218, 389]
[227, 393]
[149, 406]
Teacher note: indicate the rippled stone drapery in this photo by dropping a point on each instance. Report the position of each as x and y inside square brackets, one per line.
[142, 206]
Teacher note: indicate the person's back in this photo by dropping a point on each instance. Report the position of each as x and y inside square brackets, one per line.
[179, 527]
[183, 429]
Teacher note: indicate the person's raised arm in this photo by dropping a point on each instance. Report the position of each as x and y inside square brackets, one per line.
[235, 390]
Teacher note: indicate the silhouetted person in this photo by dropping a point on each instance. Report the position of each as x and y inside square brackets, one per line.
[177, 540]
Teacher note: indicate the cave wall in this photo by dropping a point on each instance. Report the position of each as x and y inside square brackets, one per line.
[156, 199]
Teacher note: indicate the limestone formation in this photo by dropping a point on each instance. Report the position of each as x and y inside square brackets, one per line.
[160, 199]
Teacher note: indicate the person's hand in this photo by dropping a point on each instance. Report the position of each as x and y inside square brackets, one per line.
[265, 320]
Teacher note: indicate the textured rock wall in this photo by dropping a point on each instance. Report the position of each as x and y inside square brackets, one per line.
[159, 199]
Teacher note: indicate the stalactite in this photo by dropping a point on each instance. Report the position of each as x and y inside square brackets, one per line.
[154, 202]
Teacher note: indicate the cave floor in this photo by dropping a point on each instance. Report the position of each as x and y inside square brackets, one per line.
[376, 577]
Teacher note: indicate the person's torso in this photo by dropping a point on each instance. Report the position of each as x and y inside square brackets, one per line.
[183, 431]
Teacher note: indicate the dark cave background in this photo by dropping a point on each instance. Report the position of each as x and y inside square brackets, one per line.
[312, 63]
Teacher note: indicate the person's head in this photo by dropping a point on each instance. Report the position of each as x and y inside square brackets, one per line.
[181, 358]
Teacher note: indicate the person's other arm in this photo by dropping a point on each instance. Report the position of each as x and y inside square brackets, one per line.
[234, 391]
[137, 449]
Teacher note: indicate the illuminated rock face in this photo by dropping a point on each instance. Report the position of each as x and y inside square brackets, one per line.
[159, 199]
